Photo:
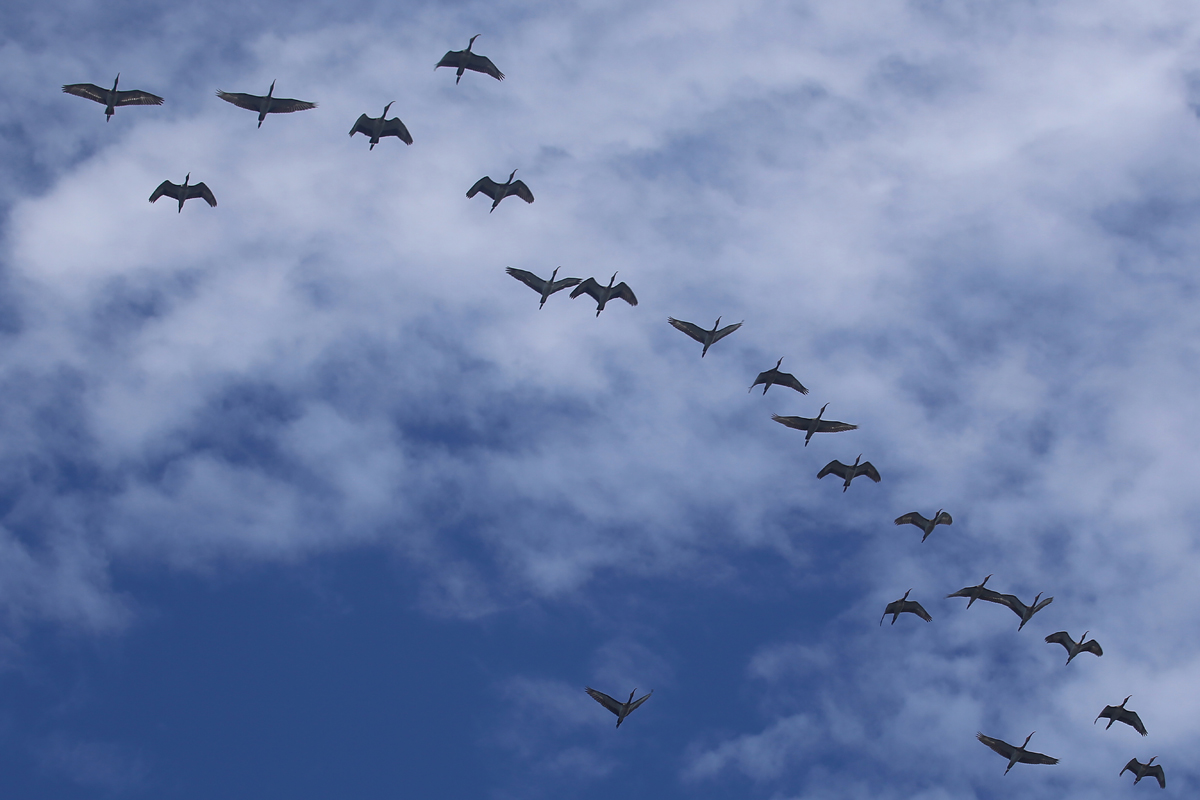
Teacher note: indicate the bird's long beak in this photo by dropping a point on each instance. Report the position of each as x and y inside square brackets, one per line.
[271, 90]
[385, 108]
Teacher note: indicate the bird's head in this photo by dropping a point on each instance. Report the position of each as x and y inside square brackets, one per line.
[613, 278]
[385, 108]
[985, 580]
[552, 274]
[1151, 761]
[777, 363]
[906, 595]
[631, 694]
[472, 42]
[1084, 637]
[822, 411]
[1126, 700]
[857, 460]
[118, 80]
[510, 175]
[1035, 602]
[271, 91]
[718, 322]
[1027, 738]
[939, 513]
[187, 178]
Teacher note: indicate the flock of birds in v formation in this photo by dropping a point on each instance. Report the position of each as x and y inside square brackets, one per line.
[461, 60]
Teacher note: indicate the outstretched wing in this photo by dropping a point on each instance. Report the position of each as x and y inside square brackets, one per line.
[606, 701]
[621, 290]
[286, 105]
[451, 59]
[394, 127]
[944, 519]
[519, 189]
[834, 467]
[527, 278]
[721, 334]
[691, 330]
[362, 125]
[789, 380]
[482, 64]
[866, 467]
[250, 102]
[1061, 637]
[1092, 646]
[89, 90]
[833, 426]
[638, 702]
[588, 287]
[563, 283]
[1002, 747]
[914, 607]
[1157, 771]
[136, 97]
[1132, 766]
[1131, 719]
[1036, 758]
[915, 518]
[891, 608]
[799, 423]
[201, 190]
[165, 188]
[485, 185]
[1009, 600]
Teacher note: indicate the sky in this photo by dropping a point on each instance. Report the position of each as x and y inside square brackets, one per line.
[302, 496]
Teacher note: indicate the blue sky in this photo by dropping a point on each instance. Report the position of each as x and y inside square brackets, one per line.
[303, 496]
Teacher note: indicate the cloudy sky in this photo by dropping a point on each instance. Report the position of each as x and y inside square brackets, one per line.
[302, 496]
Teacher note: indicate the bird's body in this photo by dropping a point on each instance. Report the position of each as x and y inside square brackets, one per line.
[1014, 754]
[848, 472]
[378, 127]
[973, 593]
[543, 287]
[111, 98]
[814, 424]
[184, 192]
[927, 525]
[499, 191]
[1141, 770]
[774, 377]
[602, 294]
[265, 104]
[1073, 647]
[1121, 714]
[1020, 609]
[463, 60]
[898, 607]
[622, 710]
[706, 338]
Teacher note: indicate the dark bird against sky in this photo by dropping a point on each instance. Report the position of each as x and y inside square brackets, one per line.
[814, 424]
[706, 338]
[184, 192]
[980, 592]
[1014, 754]
[543, 287]
[378, 127]
[111, 98]
[1073, 647]
[774, 377]
[904, 605]
[1020, 609]
[1141, 770]
[927, 525]
[265, 104]
[465, 59]
[1121, 714]
[602, 294]
[622, 710]
[848, 472]
[499, 191]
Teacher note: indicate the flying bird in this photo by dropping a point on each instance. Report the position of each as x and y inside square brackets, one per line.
[1073, 647]
[465, 59]
[184, 192]
[706, 338]
[813, 425]
[111, 98]
[265, 104]
[499, 191]
[898, 607]
[774, 376]
[602, 294]
[849, 472]
[1121, 714]
[544, 288]
[1020, 609]
[378, 127]
[1141, 770]
[980, 592]
[927, 525]
[1015, 754]
[622, 710]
